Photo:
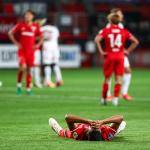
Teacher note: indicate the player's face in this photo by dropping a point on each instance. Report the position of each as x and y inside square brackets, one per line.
[28, 17]
[120, 15]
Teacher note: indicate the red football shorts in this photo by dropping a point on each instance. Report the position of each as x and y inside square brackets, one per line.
[113, 66]
[26, 58]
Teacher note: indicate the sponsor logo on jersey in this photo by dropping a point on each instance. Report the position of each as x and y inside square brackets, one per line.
[27, 33]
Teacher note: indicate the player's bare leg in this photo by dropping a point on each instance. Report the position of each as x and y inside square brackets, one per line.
[117, 89]
[59, 81]
[126, 83]
[21, 70]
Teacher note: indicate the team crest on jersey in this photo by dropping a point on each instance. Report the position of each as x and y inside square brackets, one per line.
[33, 28]
[110, 136]
[75, 135]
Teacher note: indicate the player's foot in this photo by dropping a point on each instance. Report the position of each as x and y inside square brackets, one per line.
[103, 101]
[54, 125]
[121, 127]
[109, 98]
[115, 101]
[38, 85]
[50, 84]
[127, 97]
[19, 91]
[59, 83]
[28, 92]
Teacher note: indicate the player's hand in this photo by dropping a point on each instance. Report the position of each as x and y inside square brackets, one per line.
[100, 123]
[36, 46]
[126, 52]
[19, 45]
[103, 53]
[94, 124]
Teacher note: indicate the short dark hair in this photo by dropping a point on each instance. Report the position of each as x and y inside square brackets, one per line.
[94, 135]
[115, 10]
[30, 11]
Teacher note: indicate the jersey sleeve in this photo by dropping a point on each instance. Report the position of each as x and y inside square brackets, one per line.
[102, 33]
[16, 28]
[128, 34]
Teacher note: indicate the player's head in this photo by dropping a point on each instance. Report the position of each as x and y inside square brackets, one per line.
[119, 12]
[41, 22]
[94, 135]
[29, 15]
[114, 18]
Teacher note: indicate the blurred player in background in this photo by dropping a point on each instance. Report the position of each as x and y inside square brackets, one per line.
[50, 55]
[27, 32]
[38, 58]
[90, 130]
[115, 38]
[127, 72]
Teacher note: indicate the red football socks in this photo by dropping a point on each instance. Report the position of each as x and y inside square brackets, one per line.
[117, 89]
[28, 80]
[105, 90]
[20, 75]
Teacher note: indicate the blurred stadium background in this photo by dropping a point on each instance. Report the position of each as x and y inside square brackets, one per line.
[78, 21]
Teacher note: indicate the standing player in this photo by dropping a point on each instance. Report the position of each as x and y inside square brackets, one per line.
[51, 54]
[127, 72]
[115, 38]
[27, 31]
[37, 58]
[86, 129]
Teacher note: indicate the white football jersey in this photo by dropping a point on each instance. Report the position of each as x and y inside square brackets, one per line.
[51, 35]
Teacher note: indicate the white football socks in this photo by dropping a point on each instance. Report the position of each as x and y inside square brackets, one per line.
[47, 71]
[37, 76]
[109, 88]
[57, 73]
[115, 101]
[125, 83]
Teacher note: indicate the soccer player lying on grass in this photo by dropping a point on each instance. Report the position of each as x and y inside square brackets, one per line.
[91, 130]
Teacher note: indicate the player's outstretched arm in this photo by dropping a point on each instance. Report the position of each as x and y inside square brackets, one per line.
[114, 119]
[72, 119]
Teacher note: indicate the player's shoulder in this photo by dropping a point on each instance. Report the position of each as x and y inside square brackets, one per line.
[105, 29]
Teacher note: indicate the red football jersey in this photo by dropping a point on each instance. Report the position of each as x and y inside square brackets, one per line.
[27, 35]
[79, 133]
[115, 39]
[107, 133]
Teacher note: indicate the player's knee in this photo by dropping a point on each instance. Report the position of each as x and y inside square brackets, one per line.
[66, 117]
[128, 70]
[121, 118]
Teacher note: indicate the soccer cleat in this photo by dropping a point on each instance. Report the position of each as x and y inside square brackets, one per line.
[28, 92]
[54, 125]
[115, 101]
[50, 84]
[38, 85]
[59, 83]
[19, 91]
[121, 127]
[127, 97]
[103, 101]
[109, 98]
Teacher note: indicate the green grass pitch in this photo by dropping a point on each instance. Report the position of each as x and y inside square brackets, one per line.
[24, 119]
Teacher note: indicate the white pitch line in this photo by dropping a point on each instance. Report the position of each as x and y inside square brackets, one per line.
[83, 97]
